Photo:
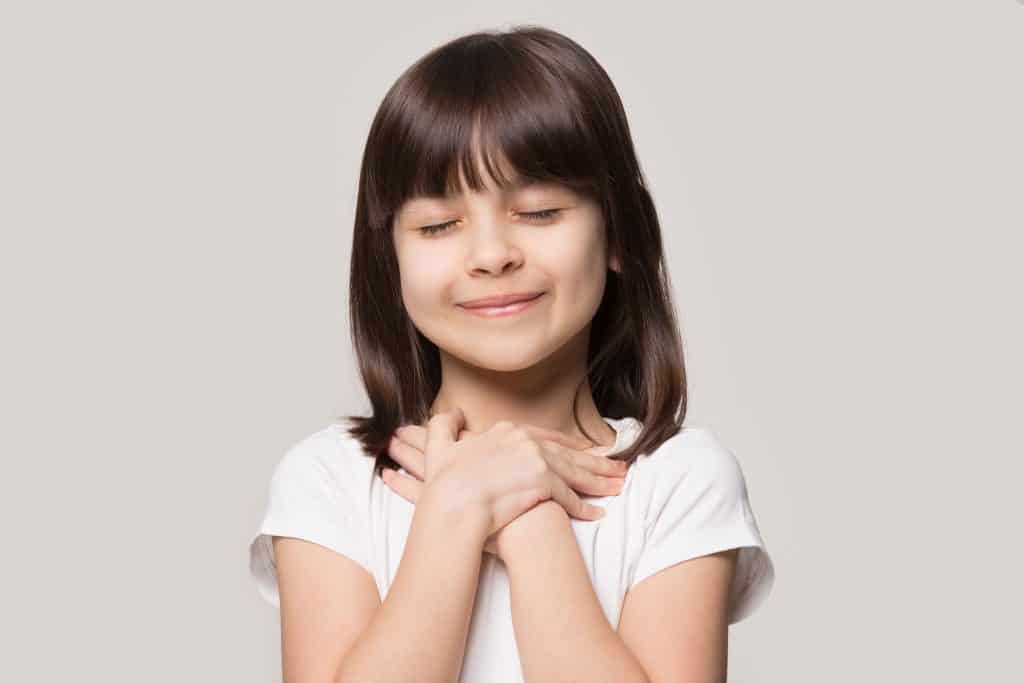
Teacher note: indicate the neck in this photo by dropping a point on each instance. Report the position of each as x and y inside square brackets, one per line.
[541, 395]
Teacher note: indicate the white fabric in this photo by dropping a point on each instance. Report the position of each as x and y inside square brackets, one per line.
[686, 499]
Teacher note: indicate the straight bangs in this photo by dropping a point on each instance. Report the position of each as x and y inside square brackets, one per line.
[479, 108]
[519, 106]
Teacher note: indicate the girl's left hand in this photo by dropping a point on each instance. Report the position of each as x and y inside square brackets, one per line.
[585, 469]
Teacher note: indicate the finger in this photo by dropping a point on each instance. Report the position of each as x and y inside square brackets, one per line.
[416, 436]
[593, 458]
[568, 499]
[580, 478]
[409, 457]
[600, 464]
[402, 484]
[443, 428]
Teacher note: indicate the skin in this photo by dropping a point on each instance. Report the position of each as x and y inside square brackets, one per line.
[523, 368]
[582, 469]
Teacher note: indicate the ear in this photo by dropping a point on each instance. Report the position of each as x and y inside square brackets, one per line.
[613, 263]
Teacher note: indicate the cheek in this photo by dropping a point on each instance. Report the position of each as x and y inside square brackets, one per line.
[424, 283]
[577, 264]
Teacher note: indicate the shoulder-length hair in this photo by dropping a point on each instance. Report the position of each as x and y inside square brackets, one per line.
[538, 101]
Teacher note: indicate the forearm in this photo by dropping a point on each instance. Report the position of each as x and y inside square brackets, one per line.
[419, 632]
[561, 630]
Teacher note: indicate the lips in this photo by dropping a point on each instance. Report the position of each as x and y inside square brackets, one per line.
[503, 300]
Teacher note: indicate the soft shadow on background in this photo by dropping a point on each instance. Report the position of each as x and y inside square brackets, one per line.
[840, 186]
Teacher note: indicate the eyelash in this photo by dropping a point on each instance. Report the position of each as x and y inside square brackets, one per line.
[533, 215]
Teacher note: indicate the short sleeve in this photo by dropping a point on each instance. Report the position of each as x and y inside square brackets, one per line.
[699, 506]
[307, 501]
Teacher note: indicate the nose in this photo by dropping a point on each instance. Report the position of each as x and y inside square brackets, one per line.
[492, 252]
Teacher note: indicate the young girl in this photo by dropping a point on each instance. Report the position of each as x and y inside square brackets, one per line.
[523, 503]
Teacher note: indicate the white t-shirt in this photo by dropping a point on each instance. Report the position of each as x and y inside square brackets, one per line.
[686, 499]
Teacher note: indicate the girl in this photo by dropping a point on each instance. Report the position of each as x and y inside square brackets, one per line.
[523, 503]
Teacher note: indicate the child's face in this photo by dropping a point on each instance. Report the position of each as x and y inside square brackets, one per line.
[492, 248]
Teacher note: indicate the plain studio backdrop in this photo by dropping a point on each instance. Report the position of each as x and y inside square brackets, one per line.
[841, 189]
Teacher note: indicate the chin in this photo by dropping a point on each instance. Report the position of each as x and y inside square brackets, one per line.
[500, 360]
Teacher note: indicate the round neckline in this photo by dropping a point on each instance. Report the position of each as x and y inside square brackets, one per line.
[625, 430]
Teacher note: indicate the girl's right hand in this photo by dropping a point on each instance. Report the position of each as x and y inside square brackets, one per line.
[508, 469]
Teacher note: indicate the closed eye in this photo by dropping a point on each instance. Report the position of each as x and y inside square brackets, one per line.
[531, 215]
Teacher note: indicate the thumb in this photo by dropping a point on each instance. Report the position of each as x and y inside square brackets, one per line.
[443, 428]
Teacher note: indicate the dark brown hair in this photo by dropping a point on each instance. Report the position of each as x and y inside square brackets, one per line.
[542, 104]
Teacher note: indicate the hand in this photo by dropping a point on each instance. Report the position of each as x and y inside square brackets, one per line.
[570, 459]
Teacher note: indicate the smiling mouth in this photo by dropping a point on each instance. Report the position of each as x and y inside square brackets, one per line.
[501, 311]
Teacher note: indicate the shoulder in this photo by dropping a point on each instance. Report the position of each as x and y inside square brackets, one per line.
[689, 472]
[319, 492]
[693, 451]
[329, 455]
[695, 504]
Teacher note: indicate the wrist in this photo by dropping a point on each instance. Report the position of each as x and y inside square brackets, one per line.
[521, 534]
[455, 509]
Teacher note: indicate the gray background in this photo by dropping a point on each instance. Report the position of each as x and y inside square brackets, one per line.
[840, 185]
